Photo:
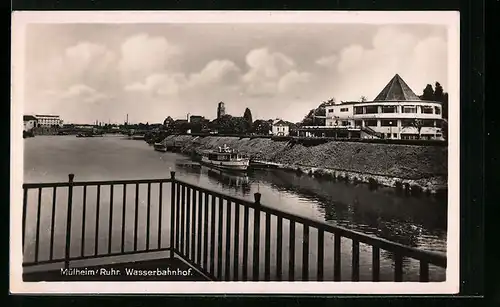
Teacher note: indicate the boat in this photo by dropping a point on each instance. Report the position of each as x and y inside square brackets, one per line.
[256, 164]
[225, 158]
[89, 135]
[160, 147]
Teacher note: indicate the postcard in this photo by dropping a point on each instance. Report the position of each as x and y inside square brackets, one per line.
[235, 152]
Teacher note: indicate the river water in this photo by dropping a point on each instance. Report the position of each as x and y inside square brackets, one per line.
[415, 221]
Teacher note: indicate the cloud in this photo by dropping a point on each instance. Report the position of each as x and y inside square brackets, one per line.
[142, 55]
[216, 75]
[365, 71]
[292, 80]
[84, 62]
[82, 93]
[159, 84]
[327, 61]
[221, 72]
[270, 73]
[138, 70]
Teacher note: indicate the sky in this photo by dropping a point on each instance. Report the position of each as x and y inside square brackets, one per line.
[89, 72]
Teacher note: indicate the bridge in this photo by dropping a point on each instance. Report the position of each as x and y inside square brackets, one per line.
[217, 237]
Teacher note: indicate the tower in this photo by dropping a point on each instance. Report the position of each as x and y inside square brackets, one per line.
[221, 110]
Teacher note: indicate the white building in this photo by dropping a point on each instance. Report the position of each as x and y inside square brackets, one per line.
[396, 113]
[29, 122]
[280, 128]
[49, 120]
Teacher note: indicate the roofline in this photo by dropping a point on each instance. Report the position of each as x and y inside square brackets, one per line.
[384, 101]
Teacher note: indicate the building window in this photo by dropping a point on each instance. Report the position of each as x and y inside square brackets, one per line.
[371, 109]
[437, 110]
[407, 122]
[358, 123]
[428, 123]
[395, 135]
[427, 110]
[388, 123]
[371, 123]
[409, 109]
[358, 110]
[330, 110]
[409, 136]
[345, 123]
[389, 109]
[344, 109]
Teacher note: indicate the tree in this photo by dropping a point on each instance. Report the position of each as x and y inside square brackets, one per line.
[445, 105]
[415, 123]
[222, 124]
[311, 120]
[261, 127]
[441, 96]
[248, 118]
[437, 94]
[428, 93]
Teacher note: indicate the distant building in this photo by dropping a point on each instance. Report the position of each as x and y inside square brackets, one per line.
[49, 120]
[221, 110]
[29, 122]
[168, 121]
[280, 128]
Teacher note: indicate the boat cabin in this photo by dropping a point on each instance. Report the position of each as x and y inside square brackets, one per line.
[224, 154]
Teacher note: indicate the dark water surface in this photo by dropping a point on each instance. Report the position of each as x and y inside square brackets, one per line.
[415, 221]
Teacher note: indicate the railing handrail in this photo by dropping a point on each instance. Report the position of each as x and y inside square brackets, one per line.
[431, 257]
[94, 182]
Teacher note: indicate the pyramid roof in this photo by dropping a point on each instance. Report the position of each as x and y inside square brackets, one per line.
[396, 90]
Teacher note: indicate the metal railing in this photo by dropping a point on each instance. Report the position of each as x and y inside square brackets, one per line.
[71, 186]
[226, 238]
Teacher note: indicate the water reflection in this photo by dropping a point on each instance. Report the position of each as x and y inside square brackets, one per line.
[235, 181]
[383, 213]
[187, 167]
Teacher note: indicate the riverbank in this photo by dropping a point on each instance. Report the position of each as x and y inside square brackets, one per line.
[412, 167]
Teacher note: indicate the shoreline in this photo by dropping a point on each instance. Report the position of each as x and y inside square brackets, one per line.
[401, 168]
[434, 185]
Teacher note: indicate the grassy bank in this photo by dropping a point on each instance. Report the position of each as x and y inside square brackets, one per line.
[425, 166]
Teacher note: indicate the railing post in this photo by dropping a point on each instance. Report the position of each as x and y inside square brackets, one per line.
[68, 221]
[256, 237]
[172, 213]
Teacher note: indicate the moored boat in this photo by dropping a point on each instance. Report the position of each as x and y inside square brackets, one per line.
[226, 159]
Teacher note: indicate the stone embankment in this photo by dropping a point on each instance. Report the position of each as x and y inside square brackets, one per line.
[412, 166]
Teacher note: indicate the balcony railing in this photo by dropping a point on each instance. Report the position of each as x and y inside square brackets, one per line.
[226, 238]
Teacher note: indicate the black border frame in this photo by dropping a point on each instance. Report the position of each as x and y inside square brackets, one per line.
[472, 132]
